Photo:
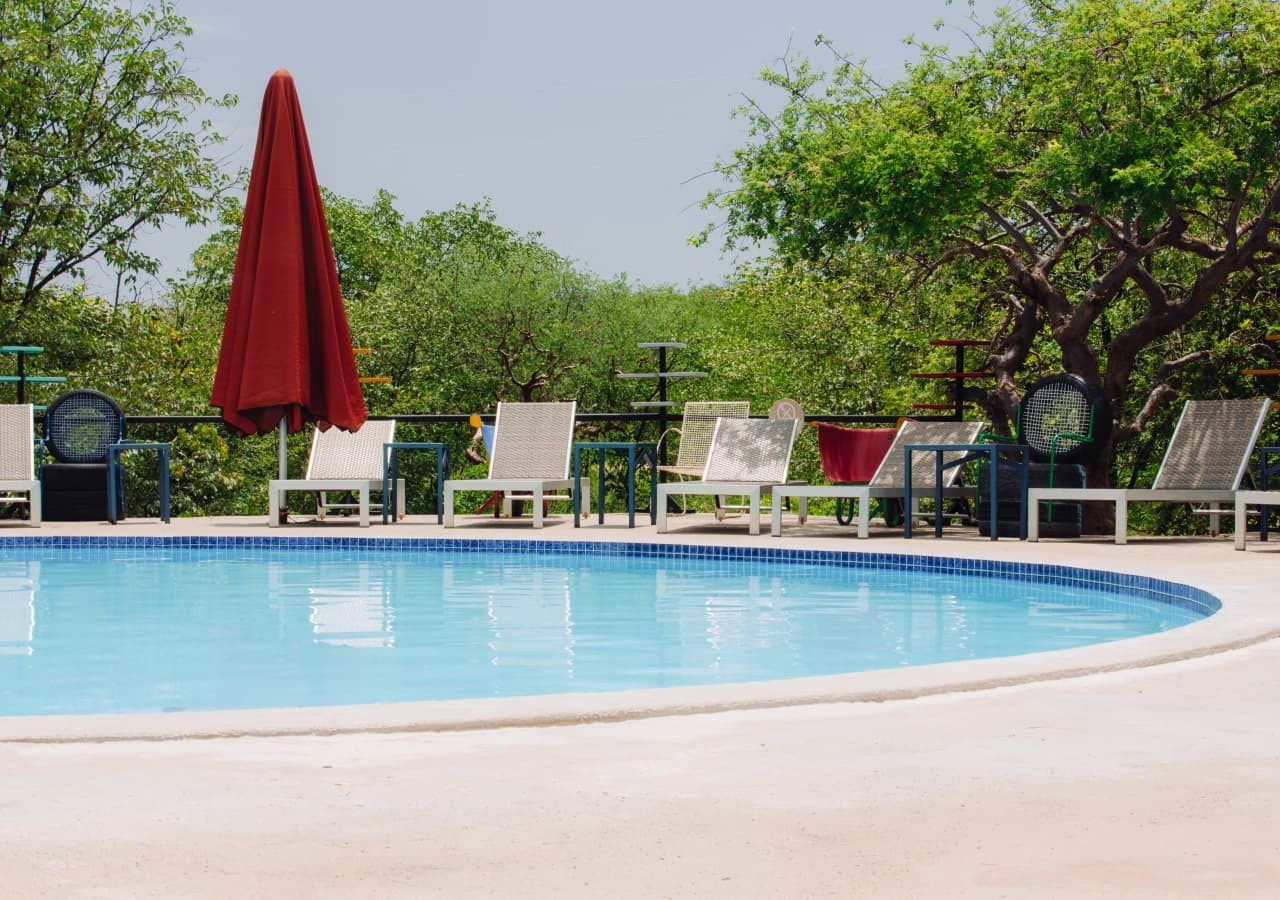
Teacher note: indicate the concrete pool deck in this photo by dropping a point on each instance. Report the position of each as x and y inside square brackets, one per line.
[1148, 767]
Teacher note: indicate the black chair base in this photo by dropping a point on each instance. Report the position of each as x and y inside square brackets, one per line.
[72, 492]
[1057, 518]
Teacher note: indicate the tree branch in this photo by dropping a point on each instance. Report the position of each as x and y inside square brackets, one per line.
[1012, 230]
[1160, 395]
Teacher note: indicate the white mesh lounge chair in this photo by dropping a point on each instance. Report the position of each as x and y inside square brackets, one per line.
[532, 450]
[697, 426]
[889, 480]
[18, 459]
[341, 462]
[1205, 462]
[747, 458]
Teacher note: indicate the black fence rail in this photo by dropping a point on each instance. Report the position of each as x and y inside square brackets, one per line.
[464, 418]
[203, 471]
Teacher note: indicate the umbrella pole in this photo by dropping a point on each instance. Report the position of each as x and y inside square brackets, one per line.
[284, 466]
[284, 449]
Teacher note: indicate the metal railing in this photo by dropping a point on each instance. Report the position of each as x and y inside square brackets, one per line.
[464, 418]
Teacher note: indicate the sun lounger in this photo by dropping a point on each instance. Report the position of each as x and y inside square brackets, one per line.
[341, 462]
[747, 458]
[1205, 462]
[889, 480]
[532, 451]
[17, 459]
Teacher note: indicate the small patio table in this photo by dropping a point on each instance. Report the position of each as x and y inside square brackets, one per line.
[391, 474]
[643, 452]
[113, 476]
[971, 452]
[1269, 470]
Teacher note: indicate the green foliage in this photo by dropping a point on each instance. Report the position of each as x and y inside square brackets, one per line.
[95, 140]
[457, 310]
[464, 312]
[204, 478]
[1098, 184]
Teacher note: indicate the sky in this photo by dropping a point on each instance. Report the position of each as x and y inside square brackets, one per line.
[595, 123]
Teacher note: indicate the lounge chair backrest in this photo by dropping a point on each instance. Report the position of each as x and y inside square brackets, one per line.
[533, 440]
[349, 454]
[698, 424]
[1211, 447]
[751, 450]
[892, 472]
[17, 447]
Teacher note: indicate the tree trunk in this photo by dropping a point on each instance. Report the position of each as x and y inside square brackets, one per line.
[1099, 518]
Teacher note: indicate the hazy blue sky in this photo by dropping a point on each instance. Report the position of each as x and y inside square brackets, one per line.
[590, 122]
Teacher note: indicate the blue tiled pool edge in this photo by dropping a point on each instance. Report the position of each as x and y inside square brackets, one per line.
[1174, 593]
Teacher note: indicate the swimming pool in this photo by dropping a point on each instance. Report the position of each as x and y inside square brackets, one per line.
[92, 625]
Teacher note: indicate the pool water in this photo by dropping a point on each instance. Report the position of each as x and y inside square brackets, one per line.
[164, 629]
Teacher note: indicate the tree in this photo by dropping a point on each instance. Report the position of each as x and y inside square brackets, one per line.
[95, 142]
[1106, 171]
[464, 312]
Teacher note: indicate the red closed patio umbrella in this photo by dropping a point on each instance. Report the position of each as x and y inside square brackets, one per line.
[286, 355]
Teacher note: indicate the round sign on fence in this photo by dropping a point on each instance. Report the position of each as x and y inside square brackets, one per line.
[786, 408]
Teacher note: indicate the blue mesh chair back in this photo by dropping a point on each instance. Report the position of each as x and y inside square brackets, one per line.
[80, 426]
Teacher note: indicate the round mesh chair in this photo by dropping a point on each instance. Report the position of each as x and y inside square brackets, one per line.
[1064, 419]
[79, 426]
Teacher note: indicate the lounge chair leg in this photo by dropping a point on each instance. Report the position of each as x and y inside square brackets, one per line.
[538, 508]
[273, 507]
[1240, 524]
[34, 510]
[753, 504]
[362, 498]
[775, 518]
[804, 509]
[1122, 521]
[448, 506]
[864, 515]
[662, 508]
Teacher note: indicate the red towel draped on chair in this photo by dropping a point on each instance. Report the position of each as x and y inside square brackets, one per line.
[852, 455]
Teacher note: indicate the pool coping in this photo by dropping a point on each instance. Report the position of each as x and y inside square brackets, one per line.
[1246, 618]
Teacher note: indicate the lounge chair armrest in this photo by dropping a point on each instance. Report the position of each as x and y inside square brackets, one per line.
[663, 436]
